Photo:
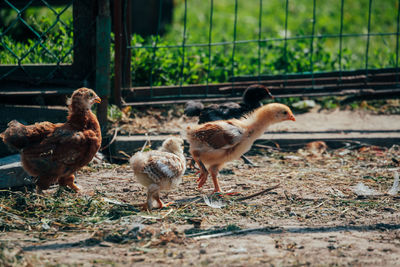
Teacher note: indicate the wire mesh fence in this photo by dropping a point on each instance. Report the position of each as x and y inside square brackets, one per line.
[294, 47]
[38, 50]
[42, 43]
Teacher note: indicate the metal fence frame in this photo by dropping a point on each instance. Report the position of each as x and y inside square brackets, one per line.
[91, 64]
[367, 81]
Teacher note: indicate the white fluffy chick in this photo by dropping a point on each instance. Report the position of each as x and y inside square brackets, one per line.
[160, 169]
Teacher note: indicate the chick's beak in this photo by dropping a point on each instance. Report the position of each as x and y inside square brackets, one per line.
[97, 100]
[292, 118]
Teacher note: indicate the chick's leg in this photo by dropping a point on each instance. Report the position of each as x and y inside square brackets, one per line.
[68, 181]
[203, 176]
[153, 194]
[156, 197]
[214, 173]
[203, 171]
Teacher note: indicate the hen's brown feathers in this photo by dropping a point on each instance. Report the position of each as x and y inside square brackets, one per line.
[55, 151]
[19, 136]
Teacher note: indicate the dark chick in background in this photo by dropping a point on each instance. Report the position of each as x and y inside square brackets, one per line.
[251, 99]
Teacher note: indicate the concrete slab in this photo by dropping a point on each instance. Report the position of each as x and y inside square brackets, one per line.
[12, 174]
[286, 140]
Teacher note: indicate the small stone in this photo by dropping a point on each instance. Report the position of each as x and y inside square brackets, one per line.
[202, 251]
[331, 247]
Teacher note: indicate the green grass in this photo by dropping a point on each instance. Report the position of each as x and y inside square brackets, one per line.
[166, 67]
[55, 44]
[63, 210]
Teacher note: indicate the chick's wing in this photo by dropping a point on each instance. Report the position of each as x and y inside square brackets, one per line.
[219, 135]
[162, 165]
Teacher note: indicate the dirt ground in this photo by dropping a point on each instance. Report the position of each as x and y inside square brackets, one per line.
[314, 217]
[313, 121]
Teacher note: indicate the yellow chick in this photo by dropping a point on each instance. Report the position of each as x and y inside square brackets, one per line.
[214, 143]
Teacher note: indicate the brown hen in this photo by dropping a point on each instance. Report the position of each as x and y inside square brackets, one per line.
[54, 152]
[214, 143]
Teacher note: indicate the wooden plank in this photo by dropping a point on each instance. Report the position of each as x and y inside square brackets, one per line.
[195, 91]
[322, 84]
[278, 93]
[45, 91]
[182, 101]
[32, 73]
[31, 114]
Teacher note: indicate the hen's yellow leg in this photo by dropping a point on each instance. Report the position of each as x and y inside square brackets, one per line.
[68, 181]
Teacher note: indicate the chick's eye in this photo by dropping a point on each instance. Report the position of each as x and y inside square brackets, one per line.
[285, 113]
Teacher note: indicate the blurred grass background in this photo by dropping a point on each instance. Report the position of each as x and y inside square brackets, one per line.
[164, 66]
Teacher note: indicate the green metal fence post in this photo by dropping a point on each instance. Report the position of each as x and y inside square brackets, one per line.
[103, 42]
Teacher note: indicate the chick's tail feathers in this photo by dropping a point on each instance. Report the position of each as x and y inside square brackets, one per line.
[193, 108]
[137, 161]
[19, 136]
[15, 135]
